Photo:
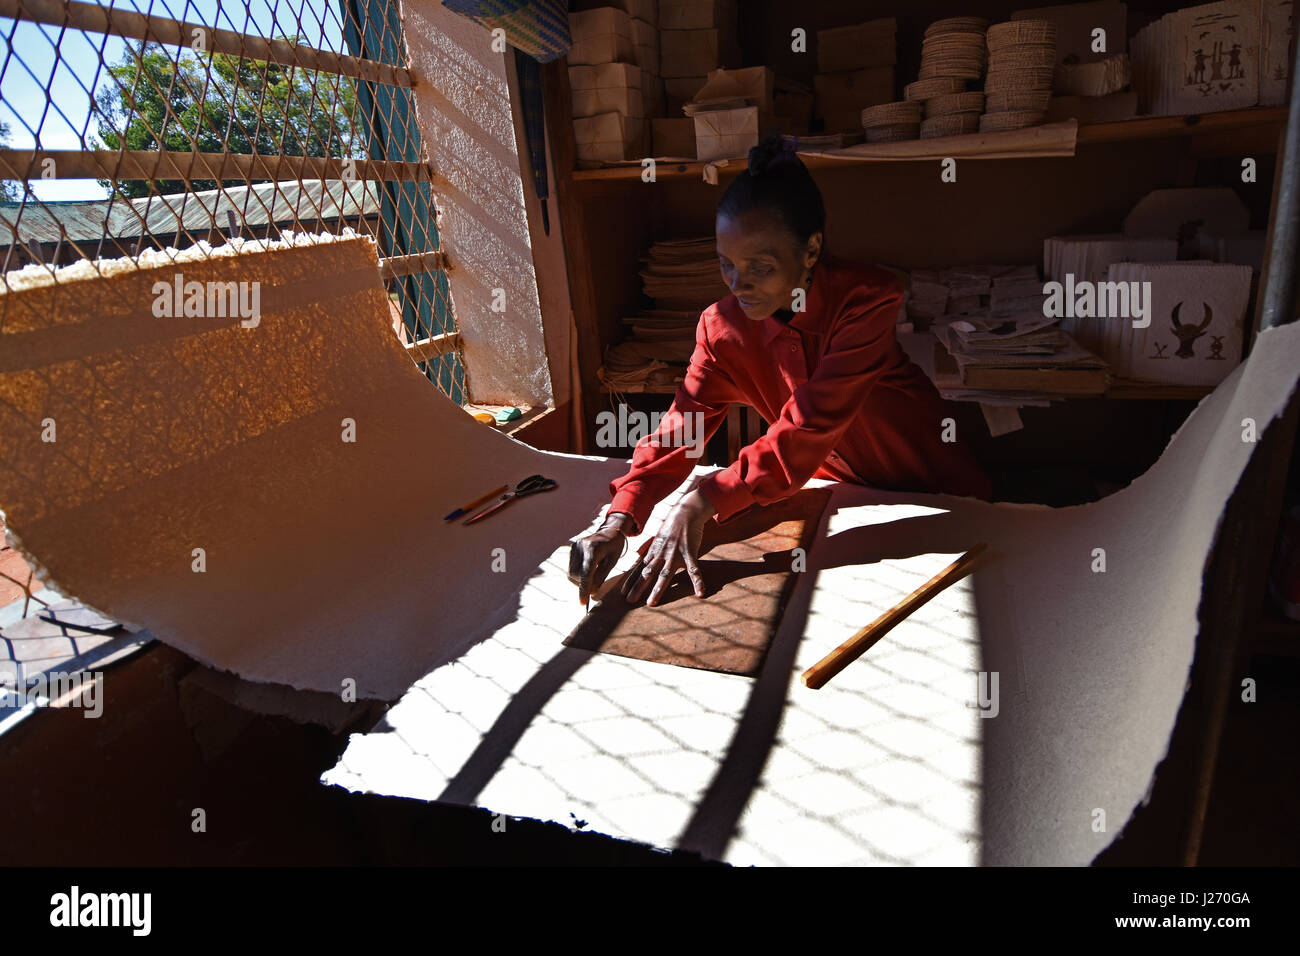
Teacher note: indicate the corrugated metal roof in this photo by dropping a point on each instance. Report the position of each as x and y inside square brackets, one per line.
[254, 206]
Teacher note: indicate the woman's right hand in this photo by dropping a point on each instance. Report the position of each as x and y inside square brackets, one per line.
[591, 558]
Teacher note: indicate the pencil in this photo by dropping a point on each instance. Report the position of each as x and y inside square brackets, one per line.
[475, 503]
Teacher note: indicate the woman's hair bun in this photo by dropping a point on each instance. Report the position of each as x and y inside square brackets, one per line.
[771, 151]
[778, 184]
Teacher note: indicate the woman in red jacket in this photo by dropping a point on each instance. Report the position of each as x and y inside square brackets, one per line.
[808, 341]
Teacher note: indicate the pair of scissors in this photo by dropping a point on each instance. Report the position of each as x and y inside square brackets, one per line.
[529, 486]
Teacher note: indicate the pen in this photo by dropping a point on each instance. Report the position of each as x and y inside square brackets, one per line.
[475, 503]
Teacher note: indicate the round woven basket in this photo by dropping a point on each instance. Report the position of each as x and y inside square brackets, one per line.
[950, 103]
[1002, 35]
[888, 114]
[893, 133]
[935, 86]
[1014, 119]
[954, 124]
[965, 71]
[956, 25]
[1024, 56]
[1000, 81]
[955, 42]
[1016, 100]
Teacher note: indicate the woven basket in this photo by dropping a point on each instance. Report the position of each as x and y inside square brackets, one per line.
[955, 124]
[889, 114]
[935, 86]
[951, 103]
[1016, 100]
[1002, 35]
[1001, 81]
[965, 71]
[893, 133]
[956, 25]
[1024, 56]
[1015, 119]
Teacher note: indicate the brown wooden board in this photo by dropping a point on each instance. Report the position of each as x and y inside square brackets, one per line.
[747, 565]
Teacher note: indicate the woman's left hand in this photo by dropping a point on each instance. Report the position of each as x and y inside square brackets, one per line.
[676, 545]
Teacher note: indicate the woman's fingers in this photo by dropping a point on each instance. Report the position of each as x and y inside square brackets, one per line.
[693, 571]
[654, 558]
[578, 569]
[601, 571]
[590, 561]
[665, 577]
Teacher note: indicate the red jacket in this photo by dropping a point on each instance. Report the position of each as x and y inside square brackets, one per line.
[843, 399]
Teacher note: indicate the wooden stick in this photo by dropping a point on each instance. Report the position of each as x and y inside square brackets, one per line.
[840, 658]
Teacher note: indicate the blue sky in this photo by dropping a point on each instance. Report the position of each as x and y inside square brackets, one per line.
[45, 96]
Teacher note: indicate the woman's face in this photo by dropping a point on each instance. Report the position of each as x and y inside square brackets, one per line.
[762, 264]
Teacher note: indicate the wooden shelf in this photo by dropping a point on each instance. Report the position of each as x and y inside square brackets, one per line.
[1195, 124]
[1120, 389]
[1127, 388]
[1268, 119]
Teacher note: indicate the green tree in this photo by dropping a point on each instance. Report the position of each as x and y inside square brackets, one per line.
[213, 102]
[9, 191]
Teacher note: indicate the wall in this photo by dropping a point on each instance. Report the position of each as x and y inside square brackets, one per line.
[548, 254]
[464, 111]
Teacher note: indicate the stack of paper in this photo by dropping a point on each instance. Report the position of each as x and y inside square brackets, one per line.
[1196, 327]
[973, 291]
[1028, 354]
[683, 274]
[683, 278]
[735, 107]
[1201, 59]
[1087, 257]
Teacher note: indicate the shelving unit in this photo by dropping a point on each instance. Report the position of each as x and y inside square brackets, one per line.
[1267, 121]
[896, 211]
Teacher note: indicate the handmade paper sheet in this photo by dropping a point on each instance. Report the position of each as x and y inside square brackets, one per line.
[310, 463]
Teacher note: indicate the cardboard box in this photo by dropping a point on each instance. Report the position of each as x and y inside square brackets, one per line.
[647, 10]
[607, 88]
[646, 40]
[610, 138]
[858, 46]
[729, 134]
[652, 94]
[679, 90]
[848, 94]
[603, 35]
[697, 14]
[761, 87]
[696, 52]
[674, 137]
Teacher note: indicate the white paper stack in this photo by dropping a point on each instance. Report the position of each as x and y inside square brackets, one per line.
[1029, 354]
[1200, 59]
[1241, 248]
[979, 291]
[1087, 257]
[1197, 327]
[1102, 78]
[735, 107]
[1277, 51]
